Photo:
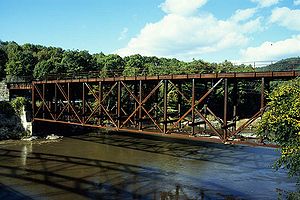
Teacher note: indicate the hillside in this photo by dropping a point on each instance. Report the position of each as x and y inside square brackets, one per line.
[283, 65]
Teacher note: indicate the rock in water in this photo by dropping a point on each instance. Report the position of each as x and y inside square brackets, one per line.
[29, 138]
[53, 137]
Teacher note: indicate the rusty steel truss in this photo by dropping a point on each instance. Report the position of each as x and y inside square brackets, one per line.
[169, 104]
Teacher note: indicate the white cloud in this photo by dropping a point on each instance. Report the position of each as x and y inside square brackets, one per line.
[297, 2]
[242, 15]
[273, 50]
[286, 18]
[189, 36]
[265, 3]
[123, 33]
[182, 7]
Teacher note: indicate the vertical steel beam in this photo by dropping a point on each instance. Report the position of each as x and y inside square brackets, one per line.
[44, 100]
[225, 107]
[135, 92]
[262, 93]
[140, 109]
[193, 106]
[119, 105]
[55, 101]
[33, 100]
[156, 99]
[206, 103]
[165, 106]
[100, 102]
[179, 104]
[83, 102]
[235, 101]
[68, 95]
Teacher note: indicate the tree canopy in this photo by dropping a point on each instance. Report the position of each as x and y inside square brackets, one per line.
[281, 123]
[39, 61]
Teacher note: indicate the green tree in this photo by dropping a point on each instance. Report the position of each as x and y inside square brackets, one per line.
[20, 62]
[3, 60]
[281, 123]
[111, 65]
[49, 61]
[198, 66]
[70, 63]
[134, 65]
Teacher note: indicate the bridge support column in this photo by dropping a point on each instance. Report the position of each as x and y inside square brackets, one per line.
[235, 102]
[262, 93]
[33, 101]
[140, 109]
[205, 105]
[43, 93]
[165, 106]
[68, 96]
[100, 102]
[265, 84]
[55, 101]
[179, 106]
[225, 107]
[119, 105]
[193, 106]
[83, 102]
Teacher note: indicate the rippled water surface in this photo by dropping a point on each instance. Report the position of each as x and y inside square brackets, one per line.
[127, 167]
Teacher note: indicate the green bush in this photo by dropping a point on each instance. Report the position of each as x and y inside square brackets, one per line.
[10, 122]
[18, 104]
[281, 124]
[6, 109]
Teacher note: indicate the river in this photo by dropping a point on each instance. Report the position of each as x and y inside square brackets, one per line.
[112, 166]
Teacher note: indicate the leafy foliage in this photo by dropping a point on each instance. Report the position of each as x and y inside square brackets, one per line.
[21, 61]
[6, 109]
[281, 123]
[10, 122]
[3, 60]
[18, 103]
[39, 62]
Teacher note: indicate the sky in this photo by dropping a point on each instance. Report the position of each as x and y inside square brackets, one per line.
[211, 30]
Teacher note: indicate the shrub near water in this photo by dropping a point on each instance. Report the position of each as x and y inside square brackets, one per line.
[18, 104]
[281, 124]
[10, 122]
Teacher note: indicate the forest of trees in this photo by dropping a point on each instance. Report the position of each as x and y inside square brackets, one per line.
[38, 61]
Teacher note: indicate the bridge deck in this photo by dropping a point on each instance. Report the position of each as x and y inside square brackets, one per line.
[232, 75]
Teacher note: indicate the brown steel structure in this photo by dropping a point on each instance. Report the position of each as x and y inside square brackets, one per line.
[167, 104]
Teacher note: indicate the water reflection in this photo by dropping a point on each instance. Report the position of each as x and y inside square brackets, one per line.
[122, 167]
[26, 150]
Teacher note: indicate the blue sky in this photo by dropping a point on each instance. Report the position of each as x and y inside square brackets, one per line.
[213, 30]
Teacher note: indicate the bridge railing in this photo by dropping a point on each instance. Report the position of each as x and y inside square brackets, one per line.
[254, 67]
[99, 74]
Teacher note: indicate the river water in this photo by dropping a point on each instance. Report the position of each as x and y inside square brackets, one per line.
[114, 166]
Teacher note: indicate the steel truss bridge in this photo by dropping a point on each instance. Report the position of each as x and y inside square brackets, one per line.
[166, 104]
